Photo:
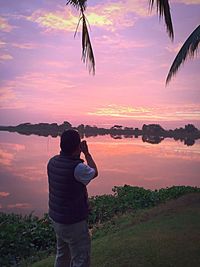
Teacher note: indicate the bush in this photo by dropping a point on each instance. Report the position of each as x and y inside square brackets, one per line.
[23, 236]
[129, 198]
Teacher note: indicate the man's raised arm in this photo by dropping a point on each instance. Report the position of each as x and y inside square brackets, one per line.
[88, 157]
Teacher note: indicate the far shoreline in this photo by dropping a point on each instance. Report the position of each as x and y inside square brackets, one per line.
[151, 133]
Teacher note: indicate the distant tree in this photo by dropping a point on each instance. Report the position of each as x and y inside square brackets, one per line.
[67, 124]
[190, 128]
[128, 128]
[144, 127]
[54, 125]
[117, 127]
[25, 124]
[152, 129]
[80, 128]
[189, 142]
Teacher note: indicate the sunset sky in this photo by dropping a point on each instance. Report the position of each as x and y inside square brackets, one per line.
[42, 78]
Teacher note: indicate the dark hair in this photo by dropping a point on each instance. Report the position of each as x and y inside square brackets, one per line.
[69, 141]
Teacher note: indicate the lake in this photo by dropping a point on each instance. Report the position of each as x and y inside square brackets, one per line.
[23, 160]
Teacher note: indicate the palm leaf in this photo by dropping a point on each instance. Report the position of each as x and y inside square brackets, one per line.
[163, 9]
[188, 49]
[87, 52]
[79, 4]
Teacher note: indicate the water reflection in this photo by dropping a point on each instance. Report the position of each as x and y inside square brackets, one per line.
[23, 159]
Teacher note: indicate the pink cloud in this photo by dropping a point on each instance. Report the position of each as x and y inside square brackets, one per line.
[34, 83]
[9, 98]
[25, 45]
[5, 26]
[4, 194]
[5, 57]
[2, 44]
[117, 42]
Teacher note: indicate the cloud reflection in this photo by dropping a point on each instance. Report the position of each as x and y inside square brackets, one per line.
[4, 194]
[24, 185]
[8, 153]
[19, 206]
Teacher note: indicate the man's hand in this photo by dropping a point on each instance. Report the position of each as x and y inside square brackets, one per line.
[88, 157]
[84, 147]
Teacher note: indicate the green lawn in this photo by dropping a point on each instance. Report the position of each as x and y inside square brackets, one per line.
[164, 236]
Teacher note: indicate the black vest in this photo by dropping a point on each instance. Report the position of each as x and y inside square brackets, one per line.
[68, 199]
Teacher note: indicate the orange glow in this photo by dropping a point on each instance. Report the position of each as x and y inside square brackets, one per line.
[55, 21]
[191, 112]
[4, 25]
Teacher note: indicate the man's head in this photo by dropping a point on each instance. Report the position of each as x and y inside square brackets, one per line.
[70, 142]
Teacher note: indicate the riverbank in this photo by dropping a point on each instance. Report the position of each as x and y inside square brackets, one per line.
[29, 238]
[166, 235]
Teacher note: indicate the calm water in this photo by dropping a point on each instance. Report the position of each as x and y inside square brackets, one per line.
[23, 159]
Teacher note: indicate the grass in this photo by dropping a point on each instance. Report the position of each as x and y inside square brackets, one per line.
[164, 236]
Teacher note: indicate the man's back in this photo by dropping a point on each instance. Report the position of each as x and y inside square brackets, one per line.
[67, 196]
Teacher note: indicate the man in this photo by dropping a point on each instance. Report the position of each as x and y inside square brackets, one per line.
[68, 200]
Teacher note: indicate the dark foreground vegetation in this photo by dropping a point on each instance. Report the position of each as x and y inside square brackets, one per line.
[151, 133]
[25, 239]
[166, 235]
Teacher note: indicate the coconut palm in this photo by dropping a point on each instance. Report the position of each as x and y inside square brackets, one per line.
[187, 50]
[163, 9]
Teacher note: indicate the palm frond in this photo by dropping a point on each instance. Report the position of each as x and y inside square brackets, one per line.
[79, 4]
[163, 9]
[87, 51]
[188, 49]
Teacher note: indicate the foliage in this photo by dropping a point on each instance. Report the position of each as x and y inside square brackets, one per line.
[87, 51]
[79, 4]
[188, 49]
[24, 237]
[129, 198]
[163, 9]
